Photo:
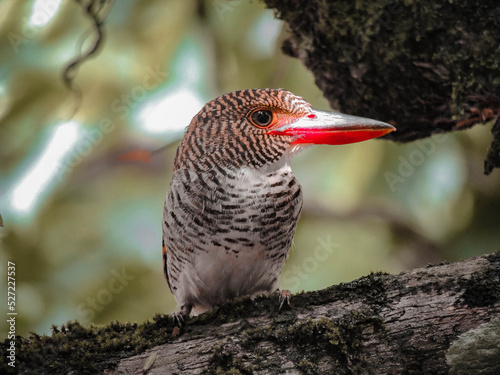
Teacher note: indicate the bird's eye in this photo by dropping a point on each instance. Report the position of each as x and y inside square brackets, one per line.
[262, 118]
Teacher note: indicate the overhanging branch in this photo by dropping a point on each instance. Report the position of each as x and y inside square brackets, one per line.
[426, 67]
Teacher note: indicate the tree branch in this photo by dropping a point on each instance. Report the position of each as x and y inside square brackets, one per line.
[406, 324]
[426, 67]
[377, 324]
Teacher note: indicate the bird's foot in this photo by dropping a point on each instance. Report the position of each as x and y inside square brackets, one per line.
[178, 319]
[179, 316]
[284, 298]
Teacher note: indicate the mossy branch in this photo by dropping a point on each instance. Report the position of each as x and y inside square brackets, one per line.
[407, 323]
[426, 67]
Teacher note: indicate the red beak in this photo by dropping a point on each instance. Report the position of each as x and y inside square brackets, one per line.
[332, 128]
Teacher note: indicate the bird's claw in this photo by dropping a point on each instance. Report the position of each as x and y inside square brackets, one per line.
[284, 296]
[178, 319]
[179, 316]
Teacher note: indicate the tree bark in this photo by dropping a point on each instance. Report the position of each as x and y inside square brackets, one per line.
[426, 67]
[435, 320]
[379, 324]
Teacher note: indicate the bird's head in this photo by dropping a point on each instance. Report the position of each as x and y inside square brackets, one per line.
[258, 127]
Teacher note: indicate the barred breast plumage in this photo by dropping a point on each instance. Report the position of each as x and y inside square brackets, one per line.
[233, 204]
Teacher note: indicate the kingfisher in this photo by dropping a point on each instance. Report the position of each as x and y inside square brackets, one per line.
[233, 204]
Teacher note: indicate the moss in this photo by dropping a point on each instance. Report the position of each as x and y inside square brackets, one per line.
[87, 350]
[481, 289]
[230, 312]
[427, 67]
[371, 288]
[225, 362]
[307, 367]
[338, 339]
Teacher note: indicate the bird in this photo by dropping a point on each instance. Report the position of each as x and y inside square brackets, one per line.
[233, 204]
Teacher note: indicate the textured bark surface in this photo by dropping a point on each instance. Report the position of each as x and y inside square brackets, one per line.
[426, 67]
[379, 324]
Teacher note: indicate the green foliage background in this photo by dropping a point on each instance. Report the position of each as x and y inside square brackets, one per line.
[89, 248]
